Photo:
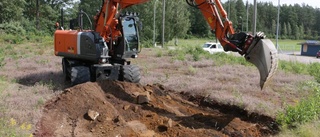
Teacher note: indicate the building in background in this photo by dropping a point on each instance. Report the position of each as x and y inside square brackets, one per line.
[310, 48]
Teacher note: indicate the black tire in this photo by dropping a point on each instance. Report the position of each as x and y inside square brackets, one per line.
[65, 69]
[130, 73]
[79, 74]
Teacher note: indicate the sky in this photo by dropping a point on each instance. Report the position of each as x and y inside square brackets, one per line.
[313, 3]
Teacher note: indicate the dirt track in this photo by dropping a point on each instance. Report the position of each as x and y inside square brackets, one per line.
[166, 114]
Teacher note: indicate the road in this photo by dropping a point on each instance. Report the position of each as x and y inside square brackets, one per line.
[297, 57]
[293, 57]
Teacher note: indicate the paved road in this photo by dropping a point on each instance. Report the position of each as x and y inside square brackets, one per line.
[293, 57]
[297, 57]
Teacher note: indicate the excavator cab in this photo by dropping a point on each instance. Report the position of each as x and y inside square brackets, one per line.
[129, 23]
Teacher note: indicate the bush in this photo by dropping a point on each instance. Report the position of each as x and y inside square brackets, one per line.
[10, 38]
[314, 70]
[159, 53]
[146, 43]
[2, 57]
[223, 58]
[305, 111]
[294, 67]
[14, 28]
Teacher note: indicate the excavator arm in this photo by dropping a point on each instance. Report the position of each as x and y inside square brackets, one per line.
[257, 50]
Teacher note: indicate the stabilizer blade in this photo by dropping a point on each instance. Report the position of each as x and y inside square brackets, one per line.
[263, 54]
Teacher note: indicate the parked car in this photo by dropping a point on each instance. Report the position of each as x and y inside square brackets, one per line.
[212, 47]
[318, 54]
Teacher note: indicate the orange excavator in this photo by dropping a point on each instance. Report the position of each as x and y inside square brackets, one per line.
[102, 53]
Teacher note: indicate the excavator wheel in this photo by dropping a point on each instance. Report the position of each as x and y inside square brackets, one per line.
[66, 72]
[79, 74]
[130, 73]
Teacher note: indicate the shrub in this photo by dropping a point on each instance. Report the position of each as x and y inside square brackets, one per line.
[305, 111]
[223, 58]
[146, 43]
[159, 53]
[10, 38]
[14, 28]
[2, 57]
[180, 55]
[314, 70]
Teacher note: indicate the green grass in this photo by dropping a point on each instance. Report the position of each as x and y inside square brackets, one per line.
[190, 42]
[304, 130]
[312, 69]
[186, 49]
[12, 47]
[300, 115]
[284, 45]
[288, 45]
[304, 111]
[194, 49]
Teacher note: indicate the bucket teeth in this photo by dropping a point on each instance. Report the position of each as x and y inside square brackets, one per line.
[263, 54]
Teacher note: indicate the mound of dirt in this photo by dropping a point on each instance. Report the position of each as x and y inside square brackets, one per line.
[113, 108]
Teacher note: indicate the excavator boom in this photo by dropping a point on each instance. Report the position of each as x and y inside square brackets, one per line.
[256, 49]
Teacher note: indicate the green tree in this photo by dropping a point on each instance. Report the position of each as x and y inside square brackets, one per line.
[177, 19]
[199, 25]
[11, 10]
[231, 10]
[284, 30]
[297, 32]
[91, 8]
[241, 14]
[302, 33]
[289, 29]
[316, 26]
[273, 28]
[146, 17]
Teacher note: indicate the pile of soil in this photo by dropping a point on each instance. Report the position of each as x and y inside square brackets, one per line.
[113, 108]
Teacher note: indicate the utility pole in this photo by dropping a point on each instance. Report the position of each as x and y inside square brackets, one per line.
[277, 37]
[247, 24]
[254, 18]
[154, 22]
[241, 21]
[37, 15]
[163, 19]
[229, 8]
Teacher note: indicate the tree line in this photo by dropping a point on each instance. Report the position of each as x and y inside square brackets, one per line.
[37, 17]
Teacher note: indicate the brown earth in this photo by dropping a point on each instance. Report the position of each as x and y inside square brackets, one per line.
[166, 113]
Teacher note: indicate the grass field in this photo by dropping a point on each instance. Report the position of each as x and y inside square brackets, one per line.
[31, 74]
[284, 45]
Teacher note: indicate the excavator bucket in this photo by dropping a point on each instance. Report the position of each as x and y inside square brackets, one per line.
[263, 54]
